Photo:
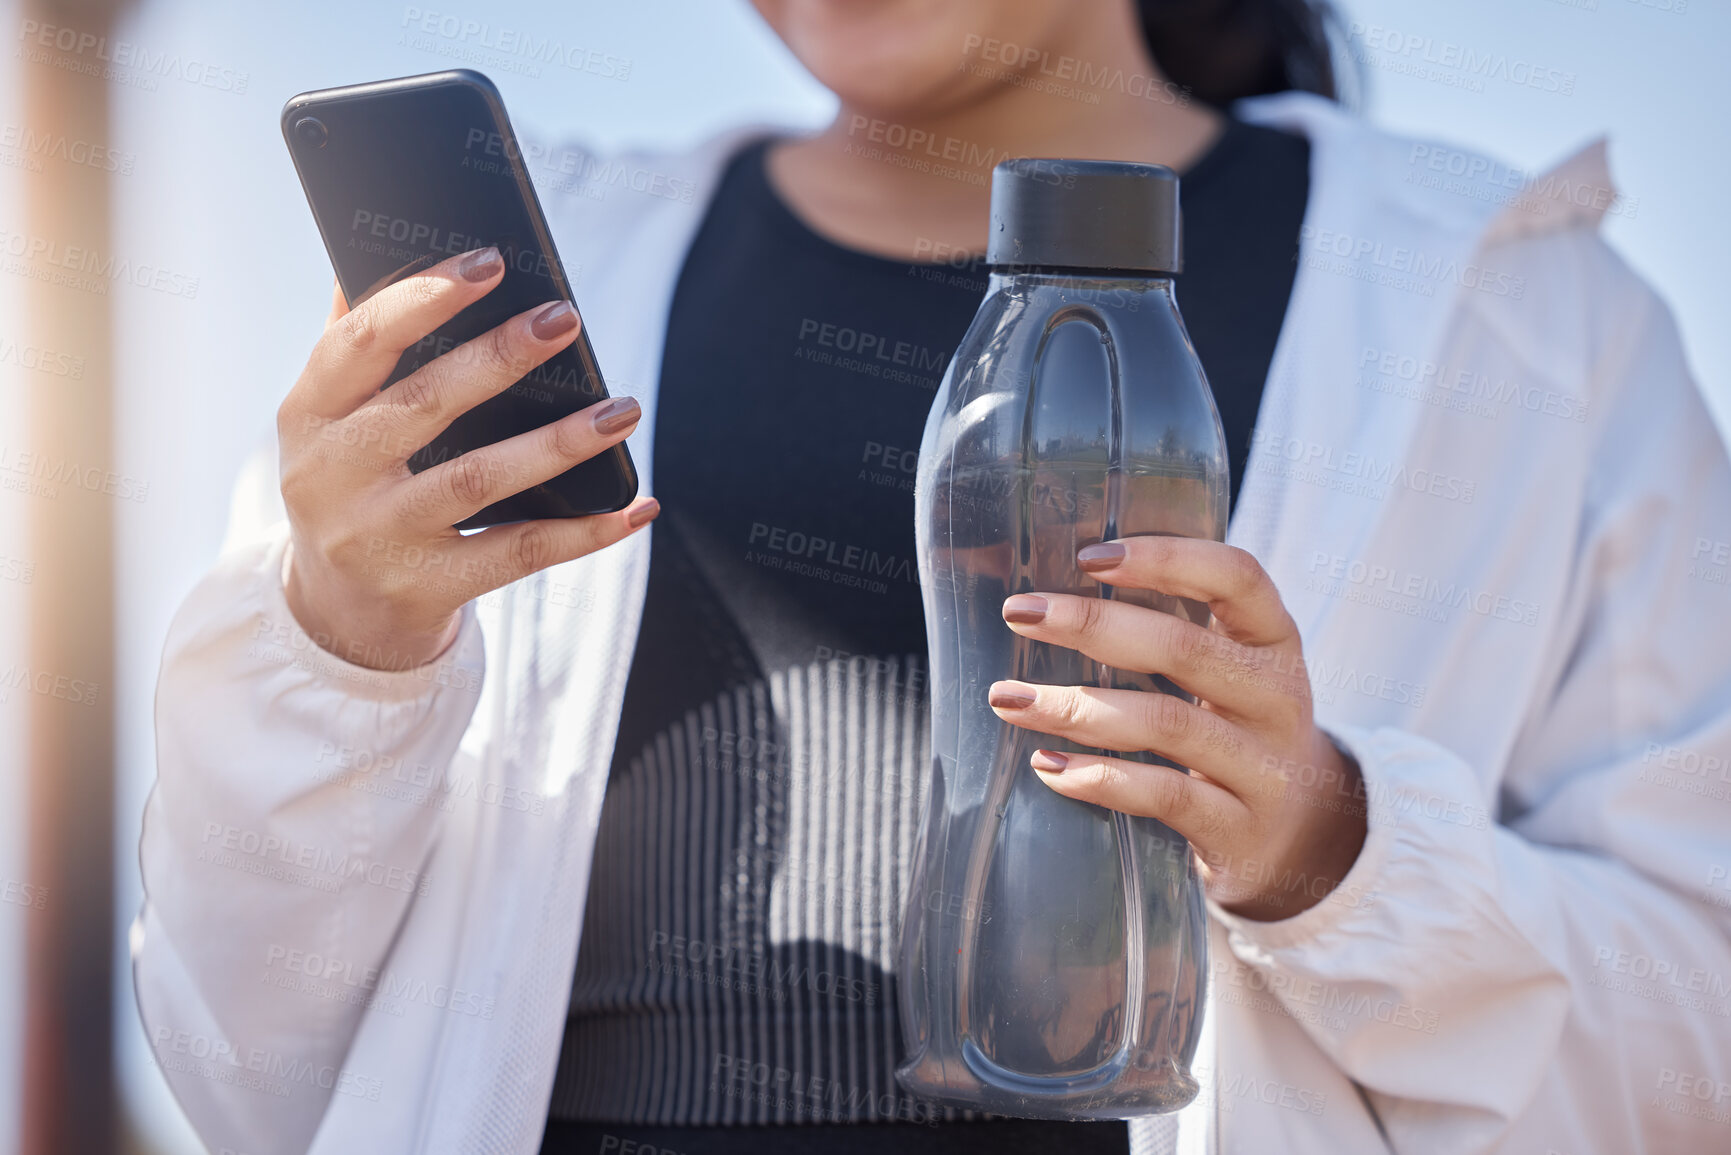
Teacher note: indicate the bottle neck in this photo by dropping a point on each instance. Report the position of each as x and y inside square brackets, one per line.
[1029, 280]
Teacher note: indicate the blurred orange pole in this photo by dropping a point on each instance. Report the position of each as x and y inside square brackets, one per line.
[69, 1082]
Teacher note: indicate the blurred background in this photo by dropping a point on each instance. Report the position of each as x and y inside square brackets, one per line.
[145, 144]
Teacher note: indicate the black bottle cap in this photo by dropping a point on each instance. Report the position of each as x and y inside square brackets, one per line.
[1105, 215]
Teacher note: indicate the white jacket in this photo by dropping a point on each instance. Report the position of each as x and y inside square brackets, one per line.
[1492, 499]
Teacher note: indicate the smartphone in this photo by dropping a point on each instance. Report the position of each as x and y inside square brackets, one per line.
[402, 174]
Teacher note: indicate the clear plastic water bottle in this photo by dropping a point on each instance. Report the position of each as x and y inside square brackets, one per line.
[1053, 953]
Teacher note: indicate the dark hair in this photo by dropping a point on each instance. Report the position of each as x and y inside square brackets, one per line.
[1225, 50]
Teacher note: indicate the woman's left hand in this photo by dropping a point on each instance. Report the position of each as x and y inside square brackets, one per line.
[1273, 808]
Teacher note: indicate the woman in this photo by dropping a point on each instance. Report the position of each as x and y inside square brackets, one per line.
[638, 886]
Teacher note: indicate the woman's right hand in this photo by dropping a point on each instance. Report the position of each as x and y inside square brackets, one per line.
[376, 574]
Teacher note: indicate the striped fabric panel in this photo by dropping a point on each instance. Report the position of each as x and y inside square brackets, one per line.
[738, 948]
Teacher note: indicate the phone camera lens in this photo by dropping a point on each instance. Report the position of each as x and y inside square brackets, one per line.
[311, 131]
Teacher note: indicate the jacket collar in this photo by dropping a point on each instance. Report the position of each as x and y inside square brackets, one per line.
[1386, 258]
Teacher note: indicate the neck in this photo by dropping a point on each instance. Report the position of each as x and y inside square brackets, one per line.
[903, 184]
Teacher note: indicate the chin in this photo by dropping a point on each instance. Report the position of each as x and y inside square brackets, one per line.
[895, 57]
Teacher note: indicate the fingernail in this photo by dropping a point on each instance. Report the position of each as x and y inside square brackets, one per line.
[643, 514]
[1048, 760]
[1010, 695]
[617, 414]
[555, 320]
[1025, 609]
[1102, 556]
[481, 264]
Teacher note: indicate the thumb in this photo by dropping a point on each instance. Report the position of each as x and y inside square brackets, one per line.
[339, 306]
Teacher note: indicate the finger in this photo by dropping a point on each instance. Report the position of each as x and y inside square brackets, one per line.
[339, 304]
[419, 407]
[1130, 720]
[1236, 588]
[506, 553]
[360, 348]
[1229, 675]
[460, 568]
[450, 491]
[1196, 808]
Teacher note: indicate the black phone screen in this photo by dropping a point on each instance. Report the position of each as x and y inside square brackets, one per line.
[403, 174]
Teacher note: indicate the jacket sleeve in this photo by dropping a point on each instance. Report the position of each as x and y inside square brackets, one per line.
[296, 804]
[1547, 966]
